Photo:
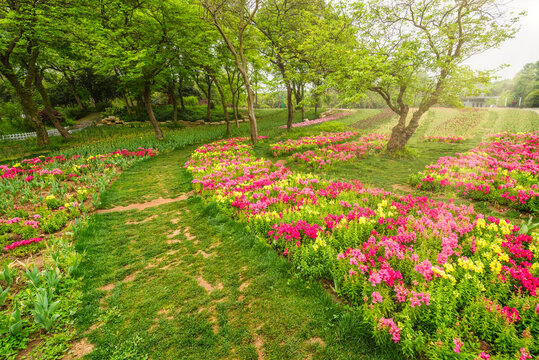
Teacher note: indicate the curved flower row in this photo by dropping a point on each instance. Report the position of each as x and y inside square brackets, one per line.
[437, 278]
[41, 195]
[342, 152]
[319, 120]
[504, 170]
[310, 142]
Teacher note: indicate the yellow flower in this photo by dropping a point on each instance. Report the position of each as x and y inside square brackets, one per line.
[481, 223]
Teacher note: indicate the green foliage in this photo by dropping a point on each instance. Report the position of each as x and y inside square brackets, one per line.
[45, 309]
[190, 101]
[532, 100]
[34, 276]
[3, 295]
[54, 222]
[8, 274]
[15, 322]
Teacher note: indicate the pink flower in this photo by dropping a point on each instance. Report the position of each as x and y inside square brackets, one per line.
[458, 345]
[393, 329]
[376, 297]
[484, 356]
[524, 354]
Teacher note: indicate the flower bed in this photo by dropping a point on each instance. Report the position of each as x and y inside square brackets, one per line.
[320, 120]
[445, 139]
[310, 142]
[342, 152]
[438, 279]
[504, 170]
[41, 196]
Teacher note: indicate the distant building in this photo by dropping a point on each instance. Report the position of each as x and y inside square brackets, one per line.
[476, 101]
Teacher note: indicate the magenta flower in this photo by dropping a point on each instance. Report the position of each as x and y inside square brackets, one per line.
[458, 345]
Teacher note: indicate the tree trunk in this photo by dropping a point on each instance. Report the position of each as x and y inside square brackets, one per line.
[237, 105]
[26, 100]
[290, 106]
[153, 120]
[208, 96]
[303, 105]
[172, 93]
[223, 102]
[124, 95]
[250, 105]
[71, 83]
[398, 138]
[48, 107]
[401, 133]
[180, 94]
[30, 110]
[235, 110]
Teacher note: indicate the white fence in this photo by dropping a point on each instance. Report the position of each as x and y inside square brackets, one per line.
[24, 136]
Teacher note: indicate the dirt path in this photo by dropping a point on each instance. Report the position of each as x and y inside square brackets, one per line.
[86, 121]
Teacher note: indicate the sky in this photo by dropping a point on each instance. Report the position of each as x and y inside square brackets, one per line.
[516, 52]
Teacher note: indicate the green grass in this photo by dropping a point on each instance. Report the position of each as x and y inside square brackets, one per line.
[164, 313]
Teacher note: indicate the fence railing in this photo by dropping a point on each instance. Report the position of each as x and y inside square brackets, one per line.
[24, 136]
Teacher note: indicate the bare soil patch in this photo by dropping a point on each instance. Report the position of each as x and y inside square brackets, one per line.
[107, 288]
[188, 235]
[259, 346]
[134, 222]
[244, 285]
[207, 286]
[316, 340]
[79, 349]
[146, 205]
[175, 233]
[203, 253]
[403, 187]
[130, 277]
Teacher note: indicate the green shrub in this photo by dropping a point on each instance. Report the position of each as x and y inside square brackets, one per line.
[54, 223]
[190, 101]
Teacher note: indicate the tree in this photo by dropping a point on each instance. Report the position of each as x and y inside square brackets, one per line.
[415, 49]
[526, 80]
[24, 29]
[140, 39]
[49, 110]
[232, 19]
[282, 23]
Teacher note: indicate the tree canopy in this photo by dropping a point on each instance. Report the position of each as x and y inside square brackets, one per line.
[409, 53]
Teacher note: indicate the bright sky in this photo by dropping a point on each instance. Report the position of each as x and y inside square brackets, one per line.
[522, 49]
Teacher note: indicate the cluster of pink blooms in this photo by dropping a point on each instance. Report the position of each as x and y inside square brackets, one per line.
[319, 120]
[15, 244]
[391, 327]
[407, 244]
[458, 344]
[309, 142]
[342, 152]
[446, 139]
[30, 168]
[505, 169]
[509, 314]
